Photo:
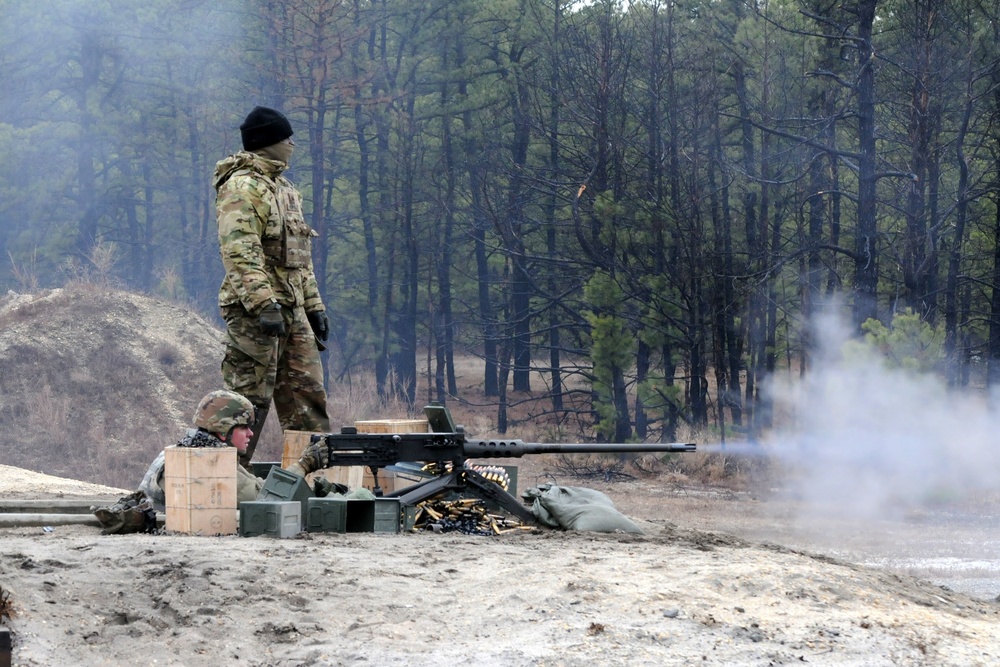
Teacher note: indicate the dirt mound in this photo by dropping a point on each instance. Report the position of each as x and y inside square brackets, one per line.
[16, 483]
[94, 382]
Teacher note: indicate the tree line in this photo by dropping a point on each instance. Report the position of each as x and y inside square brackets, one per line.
[631, 211]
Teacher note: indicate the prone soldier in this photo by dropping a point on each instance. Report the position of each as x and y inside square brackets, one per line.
[223, 419]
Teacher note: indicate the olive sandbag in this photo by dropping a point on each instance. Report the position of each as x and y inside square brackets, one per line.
[577, 508]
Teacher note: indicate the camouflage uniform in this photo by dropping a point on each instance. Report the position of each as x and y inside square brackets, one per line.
[266, 250]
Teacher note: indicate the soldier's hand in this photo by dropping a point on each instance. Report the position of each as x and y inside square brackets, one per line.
[314, 457]
[320, 324]
[271, 321]
[323, 487]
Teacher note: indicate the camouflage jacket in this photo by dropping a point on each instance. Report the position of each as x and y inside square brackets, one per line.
[263, 236]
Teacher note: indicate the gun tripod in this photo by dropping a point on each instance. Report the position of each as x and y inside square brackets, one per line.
[460, 479]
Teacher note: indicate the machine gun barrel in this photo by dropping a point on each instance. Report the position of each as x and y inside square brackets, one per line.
[483, 449]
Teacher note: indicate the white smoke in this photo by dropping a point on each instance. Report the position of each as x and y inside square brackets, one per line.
[873, 441]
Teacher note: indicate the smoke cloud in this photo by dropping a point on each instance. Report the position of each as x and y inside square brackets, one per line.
[872, 441]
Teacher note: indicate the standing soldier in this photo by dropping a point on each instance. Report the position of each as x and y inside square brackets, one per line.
[269, 298]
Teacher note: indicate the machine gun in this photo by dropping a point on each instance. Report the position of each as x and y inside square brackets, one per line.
[447, 446]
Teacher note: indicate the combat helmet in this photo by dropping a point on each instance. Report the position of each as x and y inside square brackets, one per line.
[222, 410]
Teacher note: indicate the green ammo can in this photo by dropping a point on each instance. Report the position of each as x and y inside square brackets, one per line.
[273, 518]
[283, 485]
[326, 515]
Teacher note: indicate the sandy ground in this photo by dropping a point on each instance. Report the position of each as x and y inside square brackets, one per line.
[718, 579]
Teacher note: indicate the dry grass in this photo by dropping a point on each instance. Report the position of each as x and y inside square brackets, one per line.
[6, 606]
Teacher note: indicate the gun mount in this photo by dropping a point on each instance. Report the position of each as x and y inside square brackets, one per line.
[447, 446]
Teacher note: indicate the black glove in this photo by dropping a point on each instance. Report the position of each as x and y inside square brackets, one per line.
[271, 321]
[320, 324]
[322, 487]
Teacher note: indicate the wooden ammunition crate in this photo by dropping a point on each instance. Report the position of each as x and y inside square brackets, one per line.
[200, 490]
[297, 441]
[386, 480]
[392, 426]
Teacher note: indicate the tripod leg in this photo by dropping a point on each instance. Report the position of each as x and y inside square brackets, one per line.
[488, 490]
[376, 488]
[418, 493]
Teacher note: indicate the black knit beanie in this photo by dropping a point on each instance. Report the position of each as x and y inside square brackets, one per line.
[264, 127]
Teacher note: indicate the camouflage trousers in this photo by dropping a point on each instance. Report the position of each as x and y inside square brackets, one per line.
[286, 369]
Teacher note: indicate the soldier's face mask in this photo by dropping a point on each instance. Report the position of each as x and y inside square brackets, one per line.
[281, 151]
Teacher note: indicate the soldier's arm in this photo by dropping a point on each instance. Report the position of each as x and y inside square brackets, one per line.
[242, 211]
[313, 302]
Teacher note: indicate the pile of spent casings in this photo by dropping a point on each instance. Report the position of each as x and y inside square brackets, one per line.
[470, 516]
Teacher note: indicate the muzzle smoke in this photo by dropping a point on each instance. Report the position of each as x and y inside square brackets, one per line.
[869, 440]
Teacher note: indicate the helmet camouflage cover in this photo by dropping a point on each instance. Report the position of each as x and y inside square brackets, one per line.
[221, 410]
